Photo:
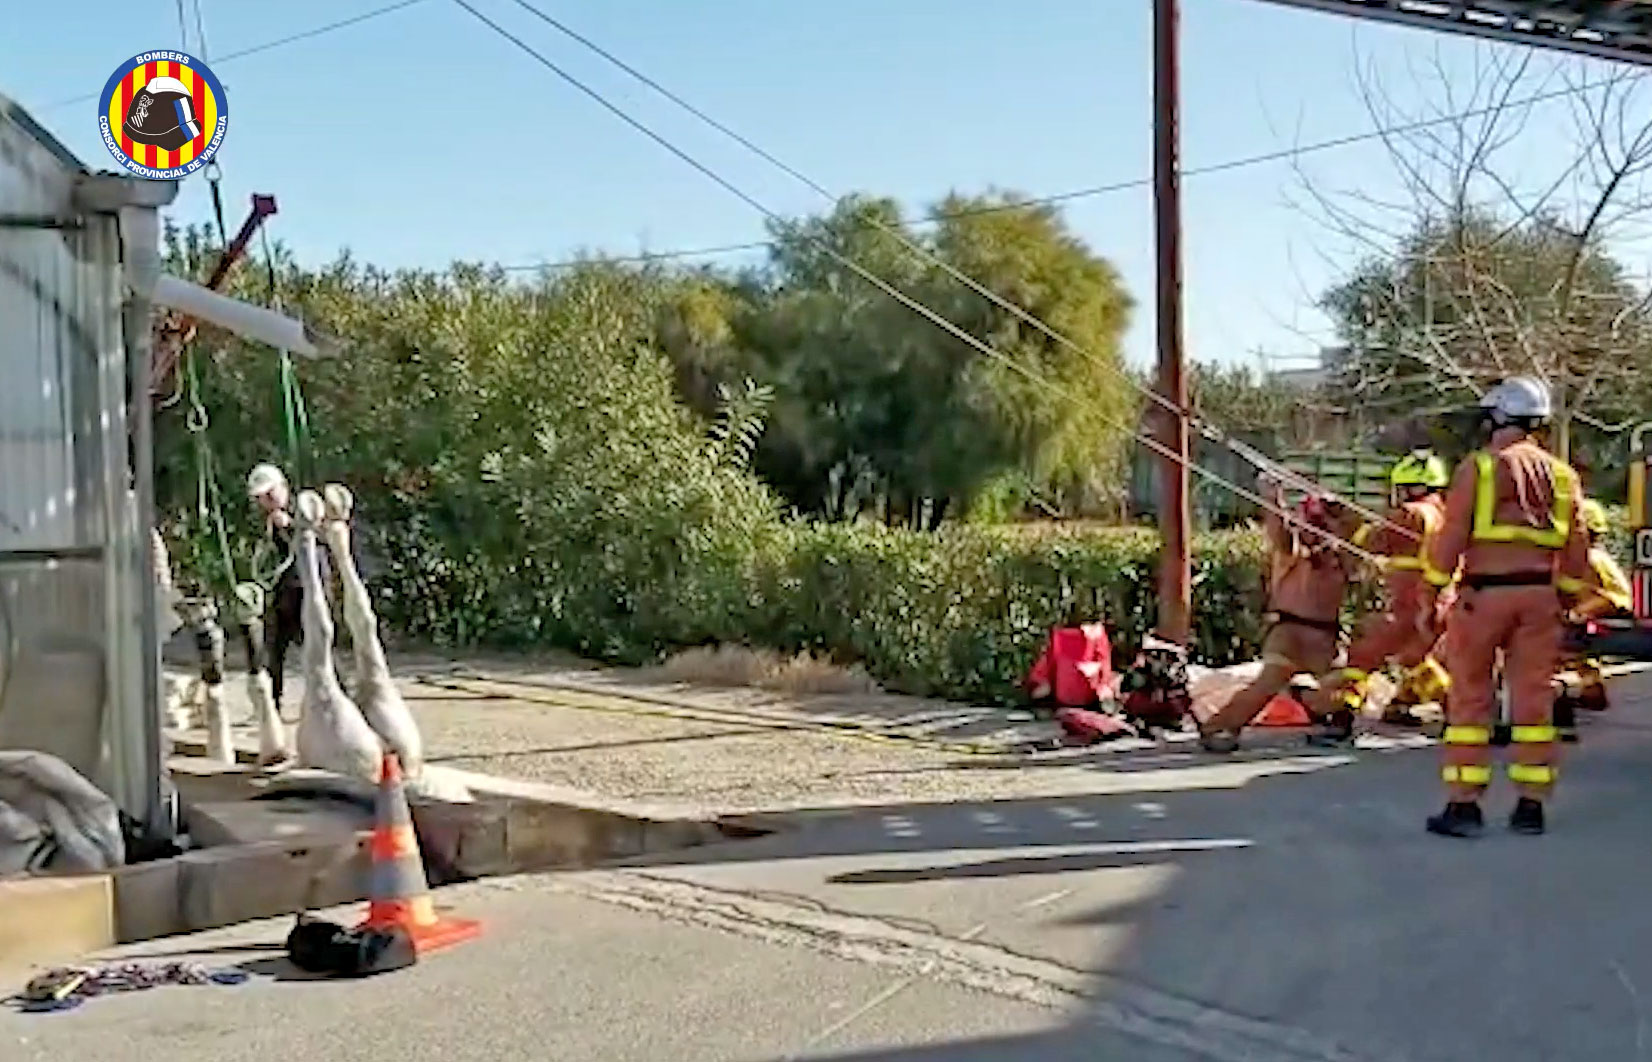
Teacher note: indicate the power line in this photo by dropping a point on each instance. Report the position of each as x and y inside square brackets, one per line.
[279, 42]
[200, 33]
[657, 256]
[1243, 450]
[927, 312]
[1242, 162]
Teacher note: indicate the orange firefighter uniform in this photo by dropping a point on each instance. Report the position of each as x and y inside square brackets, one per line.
[1308, 574]
[1406, 631]
[1606, 592]
[1511, 521]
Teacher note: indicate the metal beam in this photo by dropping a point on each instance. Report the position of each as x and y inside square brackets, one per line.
[1617, 30]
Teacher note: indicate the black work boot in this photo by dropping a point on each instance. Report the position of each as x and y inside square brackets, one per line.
[1527, 816]
[1333, 729]
[1461, 818]
[1401, 715]
[1565, 719]
[1222, 742]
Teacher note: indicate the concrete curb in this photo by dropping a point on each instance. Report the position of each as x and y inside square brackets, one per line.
[267, 858]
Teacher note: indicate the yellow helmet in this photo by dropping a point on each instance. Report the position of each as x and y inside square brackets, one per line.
[1594, 516]
[1420, 468]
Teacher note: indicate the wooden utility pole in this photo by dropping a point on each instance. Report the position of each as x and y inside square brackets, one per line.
[1175, 515]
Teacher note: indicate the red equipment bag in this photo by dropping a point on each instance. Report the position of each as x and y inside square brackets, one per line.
[1076, 668]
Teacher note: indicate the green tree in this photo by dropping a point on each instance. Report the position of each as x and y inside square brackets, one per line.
[1462, 302]
[1486, 252]
[877, 408]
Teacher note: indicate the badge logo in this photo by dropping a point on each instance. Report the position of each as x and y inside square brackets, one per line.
[163, 115]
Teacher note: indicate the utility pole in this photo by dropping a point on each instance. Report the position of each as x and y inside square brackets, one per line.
[1175, 511]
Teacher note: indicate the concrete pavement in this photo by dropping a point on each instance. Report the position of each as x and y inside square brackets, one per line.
[1280, 907]
[557, 977]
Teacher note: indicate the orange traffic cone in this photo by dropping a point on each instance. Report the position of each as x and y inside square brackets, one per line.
[398, 895]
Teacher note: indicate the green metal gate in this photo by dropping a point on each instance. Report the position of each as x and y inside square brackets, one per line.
[1359, 475]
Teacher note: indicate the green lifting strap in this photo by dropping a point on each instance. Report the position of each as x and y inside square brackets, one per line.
[300, 452]
[296, 419]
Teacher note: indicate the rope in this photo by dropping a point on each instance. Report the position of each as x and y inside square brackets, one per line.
[917, 307]
[295, 416]
[200, 32]
[1211, 432]
[209, 503]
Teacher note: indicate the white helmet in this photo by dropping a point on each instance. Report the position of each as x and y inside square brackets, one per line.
[263, 479]
[1518, 399]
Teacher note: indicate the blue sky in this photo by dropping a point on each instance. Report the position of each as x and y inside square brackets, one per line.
[418, 137]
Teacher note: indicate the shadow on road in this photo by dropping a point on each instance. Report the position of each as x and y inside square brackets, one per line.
[1292, 906]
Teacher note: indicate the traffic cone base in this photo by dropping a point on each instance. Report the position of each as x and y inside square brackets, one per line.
[398, 895]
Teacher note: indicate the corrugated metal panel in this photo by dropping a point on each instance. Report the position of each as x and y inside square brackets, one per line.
[53, 687]
[76, 676]
[46, 342]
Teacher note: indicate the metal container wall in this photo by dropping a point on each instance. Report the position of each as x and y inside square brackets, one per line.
[74, 585]
[50, 465]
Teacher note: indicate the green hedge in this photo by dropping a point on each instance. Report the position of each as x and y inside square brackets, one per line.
[959, 614]
[963, 613]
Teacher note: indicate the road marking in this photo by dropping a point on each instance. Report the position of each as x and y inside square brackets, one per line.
[1048, 898]
[1110, 1001]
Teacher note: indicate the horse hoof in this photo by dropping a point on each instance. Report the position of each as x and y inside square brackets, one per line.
[311, 509]
[339, 502]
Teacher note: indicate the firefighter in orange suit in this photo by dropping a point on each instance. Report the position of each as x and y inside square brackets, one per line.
[1406, 630]
[1606, 592]
[1513, 522]
[1308, 573]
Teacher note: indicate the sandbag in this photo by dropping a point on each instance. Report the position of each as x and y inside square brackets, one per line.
[80, 823]
[25, 846]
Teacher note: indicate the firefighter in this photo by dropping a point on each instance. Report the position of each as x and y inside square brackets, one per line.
[283, 627]
[1512, 520]
[1406, 631]
[1606, 592]
[1307, 576]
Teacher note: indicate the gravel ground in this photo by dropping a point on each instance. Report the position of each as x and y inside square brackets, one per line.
[519, 724]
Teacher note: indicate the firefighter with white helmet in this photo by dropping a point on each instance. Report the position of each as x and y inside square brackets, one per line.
[1406, 630]
[1513, 523]
[267, 488]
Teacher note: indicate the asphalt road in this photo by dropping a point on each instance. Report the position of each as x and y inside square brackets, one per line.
[1279, 907]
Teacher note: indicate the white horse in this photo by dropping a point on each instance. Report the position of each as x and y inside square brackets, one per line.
[332, 734]
[376, 693]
